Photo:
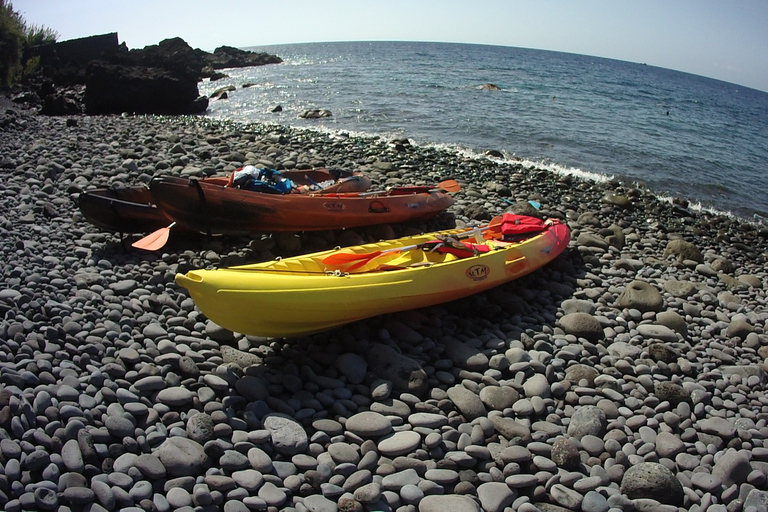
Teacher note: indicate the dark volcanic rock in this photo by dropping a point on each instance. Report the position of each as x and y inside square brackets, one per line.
[65, 62]
[229, 57]
[159, 79]
[113, 89]
[156, 79]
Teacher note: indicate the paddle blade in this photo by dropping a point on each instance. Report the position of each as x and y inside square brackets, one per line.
[449, 186]
[342, 258]
[361, 263]
[155, 240]
[495, 222]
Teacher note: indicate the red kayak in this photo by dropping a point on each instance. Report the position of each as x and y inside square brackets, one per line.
[214, 208]
[133, 209]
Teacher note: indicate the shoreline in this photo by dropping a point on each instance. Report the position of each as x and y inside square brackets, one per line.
[513, 159]
[642, 347]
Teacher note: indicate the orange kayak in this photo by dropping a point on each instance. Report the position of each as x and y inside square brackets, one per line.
[215, 208]
[133, 209]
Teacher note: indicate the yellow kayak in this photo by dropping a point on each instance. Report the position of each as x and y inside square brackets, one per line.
[314, 292]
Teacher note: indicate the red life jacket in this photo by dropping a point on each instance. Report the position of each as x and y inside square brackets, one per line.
[516, 227]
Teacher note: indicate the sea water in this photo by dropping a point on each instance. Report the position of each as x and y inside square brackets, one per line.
[679, 134]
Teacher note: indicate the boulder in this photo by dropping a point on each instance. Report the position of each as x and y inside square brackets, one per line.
[582, 325]
[229, 57]
[160, 79]
[64, 62]
[654, 481]
[315, 113]
[642, 296]
[156, 79]
[682, 250]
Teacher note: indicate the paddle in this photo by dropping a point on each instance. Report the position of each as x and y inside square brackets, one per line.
[343, 258]
[446, 185]
[449, 185]
[155, 240]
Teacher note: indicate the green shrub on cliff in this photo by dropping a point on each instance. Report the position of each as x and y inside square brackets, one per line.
[11, 42]
[15, 36]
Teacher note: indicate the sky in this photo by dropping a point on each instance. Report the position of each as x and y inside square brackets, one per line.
[726, 40]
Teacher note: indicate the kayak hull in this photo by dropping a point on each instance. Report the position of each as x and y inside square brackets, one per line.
[122, 209]
[303, 295]
[134, 210]
[216, 209]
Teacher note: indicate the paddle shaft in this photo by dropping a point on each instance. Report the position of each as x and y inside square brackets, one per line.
[447, 185]
[361, 259]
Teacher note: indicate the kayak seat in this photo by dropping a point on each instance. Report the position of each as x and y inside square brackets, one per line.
[452, 245]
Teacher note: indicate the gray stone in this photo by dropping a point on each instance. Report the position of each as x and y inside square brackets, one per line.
[150, 466]
[252, 388]
[669, 445]
[427, 420]
[399, 443]
[659, 332]
[368, 493]
[582, 325]
[248, 479]
[739, 327]
[757, 499]
[72, 457]
[395, 481]
[654, 481]
[681, 289]
[575, 373]
[200, 428]
[343, 453]
[464, 356]
[353, 366]
[587, 419]
[682, 250]
[537, 385]
[642, 296]
[231, 355]
[183, 457]
[467, 402]
[674, 321]
[565, 497]
[260, 460]
[288, 436]
[510, 429]
[369, 424]
[175, 396]
[733, 467]
[272, 494]
[319, 503]
[452, 502]
[565, 453]
[594, 502]
[495, 496]
[671, 392]
[578, 306]
[498, 398]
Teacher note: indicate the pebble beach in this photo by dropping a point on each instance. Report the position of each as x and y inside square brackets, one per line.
[627, 375]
